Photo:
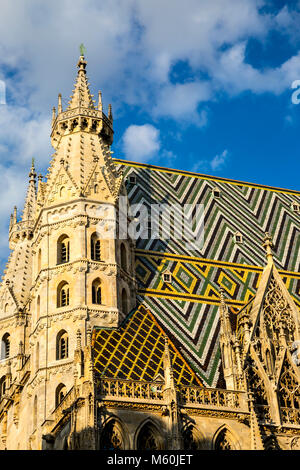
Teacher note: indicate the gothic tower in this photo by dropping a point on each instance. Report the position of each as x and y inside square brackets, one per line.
[67, 271]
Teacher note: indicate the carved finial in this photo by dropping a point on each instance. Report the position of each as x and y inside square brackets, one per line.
[78, 336]
[222, 297]
[32, 173]
[59, 107]
[99, 101]
[81, 64]
[268, 245]
[89, 334]
[40, 177]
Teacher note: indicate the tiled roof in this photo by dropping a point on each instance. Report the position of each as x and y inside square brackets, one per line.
[187, 309]
[135, 351]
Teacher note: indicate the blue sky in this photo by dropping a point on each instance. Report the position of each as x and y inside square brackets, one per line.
[205, 87]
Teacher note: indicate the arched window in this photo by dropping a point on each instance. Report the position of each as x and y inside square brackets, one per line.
[95, 248]
[124, 301]
[60, 394]
[96, 189]
[123, 257]
[149, 438]
[63, 296]
[34, 422]
[62, 345]
[63, 249]
[38, 307]
[62, 191]
[5, 346]
[6, 308]
[37, 356]
[191, 438]
[112, 436]
[39, 261]
[223, 441]
[2, 386]
[96, 292]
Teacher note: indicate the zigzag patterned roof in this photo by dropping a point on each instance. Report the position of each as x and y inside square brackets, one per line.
[135, 351]
[188, 308]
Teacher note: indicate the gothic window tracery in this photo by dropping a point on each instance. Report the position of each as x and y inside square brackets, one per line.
[289, 395]
[277, 315]
[190, 439]
[112, 437]
[223, 441]
[256, 386]
[148, 438]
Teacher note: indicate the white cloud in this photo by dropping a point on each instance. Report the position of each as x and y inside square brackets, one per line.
[215, 164]
[141, 142]
[219, 160]
[132, 47]
[180, 101]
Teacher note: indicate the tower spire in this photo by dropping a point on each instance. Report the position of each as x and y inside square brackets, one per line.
[81, 97]
[30, 201]
[268, 245]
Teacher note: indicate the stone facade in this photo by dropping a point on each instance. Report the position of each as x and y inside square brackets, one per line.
[69, 296]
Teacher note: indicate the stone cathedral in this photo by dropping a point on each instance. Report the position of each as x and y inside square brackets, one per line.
[111, 342]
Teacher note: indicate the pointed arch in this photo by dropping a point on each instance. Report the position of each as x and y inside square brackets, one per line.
[112, 436]
[63, 249]
[60, 393]
[289, 394]
[192, 438]
[96, 292]
[95, 247]
[63, 294]
[224, 439]
[148, 436]
[62, 345]
[256, 385]
[5, 346]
